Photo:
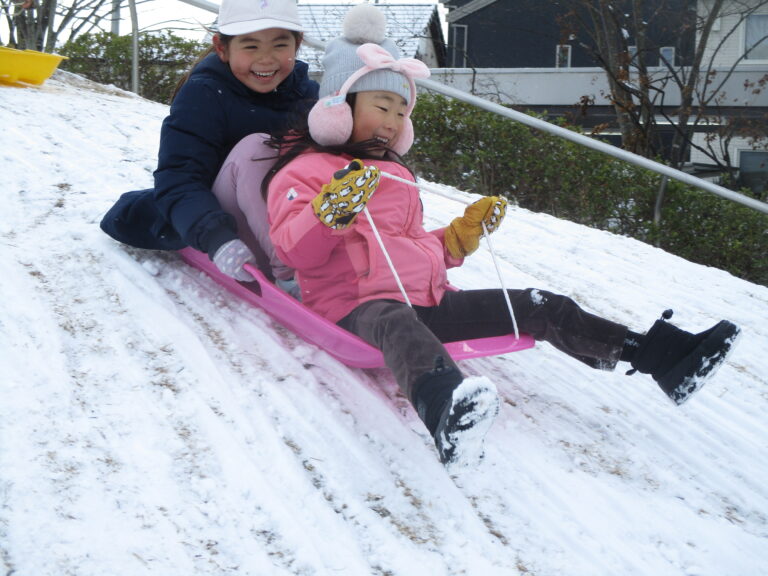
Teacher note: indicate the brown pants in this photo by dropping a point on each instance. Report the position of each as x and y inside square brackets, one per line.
[411, 338]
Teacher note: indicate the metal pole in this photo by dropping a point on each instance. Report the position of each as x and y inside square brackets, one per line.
[594, 144]
[116, 17]
[134, 47]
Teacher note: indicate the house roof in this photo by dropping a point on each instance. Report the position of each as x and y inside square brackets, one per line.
[407, 26]
[459, 13]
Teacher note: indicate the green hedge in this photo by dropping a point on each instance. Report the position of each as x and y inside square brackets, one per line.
[474, 150]
[710, 230]
[105, 58]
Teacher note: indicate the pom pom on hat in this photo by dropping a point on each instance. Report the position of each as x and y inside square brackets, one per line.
[363, 59]
[365, 23]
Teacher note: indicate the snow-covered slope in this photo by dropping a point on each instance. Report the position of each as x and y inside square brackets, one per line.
[149, 424]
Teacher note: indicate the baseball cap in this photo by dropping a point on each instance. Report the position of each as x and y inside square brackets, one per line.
[244, 16]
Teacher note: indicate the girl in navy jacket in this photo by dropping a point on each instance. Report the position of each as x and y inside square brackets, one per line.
[251, 82]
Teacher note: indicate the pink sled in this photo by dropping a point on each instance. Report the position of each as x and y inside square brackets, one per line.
[342, 345]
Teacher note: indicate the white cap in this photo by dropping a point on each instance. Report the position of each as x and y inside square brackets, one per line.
[244, 16]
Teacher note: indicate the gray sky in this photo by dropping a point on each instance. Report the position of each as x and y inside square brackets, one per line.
[188, 19]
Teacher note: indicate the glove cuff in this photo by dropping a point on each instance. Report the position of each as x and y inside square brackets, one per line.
[461, 240]
[218, 238]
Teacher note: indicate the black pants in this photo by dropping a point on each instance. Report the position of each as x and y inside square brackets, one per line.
[411, 338]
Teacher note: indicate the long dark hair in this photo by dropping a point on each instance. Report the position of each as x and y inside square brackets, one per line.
[225, 39]
[289, 145]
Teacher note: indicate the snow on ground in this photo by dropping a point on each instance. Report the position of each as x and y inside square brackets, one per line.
[150, 424]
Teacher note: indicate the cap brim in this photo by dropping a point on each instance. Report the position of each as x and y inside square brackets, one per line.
[237, 28]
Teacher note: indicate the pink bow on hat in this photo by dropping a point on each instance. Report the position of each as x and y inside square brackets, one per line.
[375, 57]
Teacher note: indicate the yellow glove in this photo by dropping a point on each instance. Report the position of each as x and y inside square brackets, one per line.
[341, 200]
[462, 237]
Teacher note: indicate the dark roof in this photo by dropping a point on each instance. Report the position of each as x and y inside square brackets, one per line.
[407, 24]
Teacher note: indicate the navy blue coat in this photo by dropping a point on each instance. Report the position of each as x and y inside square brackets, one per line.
[212, 112]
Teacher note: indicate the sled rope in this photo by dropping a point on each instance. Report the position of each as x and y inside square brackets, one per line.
[501, 281]
[386, 255]
[424, 187]
[485, 234]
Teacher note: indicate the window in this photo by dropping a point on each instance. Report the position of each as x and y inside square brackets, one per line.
[459, 35]
[753, 170]
[563, 56]
[756, 42]
[667, 56]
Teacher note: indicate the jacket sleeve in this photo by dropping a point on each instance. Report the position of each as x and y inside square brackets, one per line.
[192, 142]
[450, 261]
[300, 239]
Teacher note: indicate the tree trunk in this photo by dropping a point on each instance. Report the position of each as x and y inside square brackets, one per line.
[607, 31]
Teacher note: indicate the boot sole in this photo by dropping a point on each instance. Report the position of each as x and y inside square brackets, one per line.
[474, 405]
[690, 375]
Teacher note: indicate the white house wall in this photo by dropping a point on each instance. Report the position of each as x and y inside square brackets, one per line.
[734, 45]
[567, 86]
[531, 86]
[735, 146]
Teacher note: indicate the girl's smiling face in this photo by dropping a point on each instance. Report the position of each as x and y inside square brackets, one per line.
[260, 60]
[378, 115]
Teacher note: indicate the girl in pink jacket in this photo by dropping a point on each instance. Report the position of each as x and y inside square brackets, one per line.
[326, 223]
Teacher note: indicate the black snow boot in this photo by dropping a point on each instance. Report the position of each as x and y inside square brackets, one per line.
[432, 392]
[457, 412]
[682, 362]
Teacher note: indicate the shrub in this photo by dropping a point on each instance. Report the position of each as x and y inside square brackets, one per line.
[475, 150]
[105, 58]
[710, 230]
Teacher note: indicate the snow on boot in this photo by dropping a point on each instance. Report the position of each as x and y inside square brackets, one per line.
[681, 362]
[465, 421]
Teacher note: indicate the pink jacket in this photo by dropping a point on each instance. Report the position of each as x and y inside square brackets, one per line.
[339, 269]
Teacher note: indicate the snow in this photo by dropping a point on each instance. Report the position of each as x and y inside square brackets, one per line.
[150, 424]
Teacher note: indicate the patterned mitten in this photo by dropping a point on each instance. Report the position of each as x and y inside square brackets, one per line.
[341, 200]
[462, 237]
[231, 257]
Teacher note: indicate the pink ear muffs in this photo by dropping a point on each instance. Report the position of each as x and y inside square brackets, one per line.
[330, 124]
[330, 119]
[404, 140]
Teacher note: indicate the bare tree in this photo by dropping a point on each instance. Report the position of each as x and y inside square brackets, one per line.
[703, 87]
[620, 36]
[41, 24]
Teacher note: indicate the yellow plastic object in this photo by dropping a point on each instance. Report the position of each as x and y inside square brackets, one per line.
[26, 66]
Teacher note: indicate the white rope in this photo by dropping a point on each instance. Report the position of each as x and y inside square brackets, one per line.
[485, 233]
[501, 281]
[386, 255]
[425, 187]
